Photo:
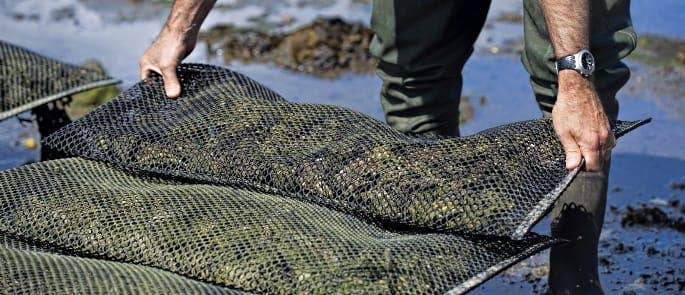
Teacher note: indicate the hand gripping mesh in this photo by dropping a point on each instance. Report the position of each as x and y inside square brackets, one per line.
[229, 130]
[100, 227]
[28, 80]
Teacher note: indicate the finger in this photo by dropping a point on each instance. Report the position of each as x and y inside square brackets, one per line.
[146, 69]
[145, 73]
[593, 159]
[572, 151]
[606, 143]
[172, 86]
[607, 146]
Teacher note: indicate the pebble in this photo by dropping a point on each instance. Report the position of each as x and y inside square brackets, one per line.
[30, 143]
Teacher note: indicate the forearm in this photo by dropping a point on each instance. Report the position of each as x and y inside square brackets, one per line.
[568, 24]
[187, 15]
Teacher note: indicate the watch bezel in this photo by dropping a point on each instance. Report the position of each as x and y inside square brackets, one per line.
[586, 68]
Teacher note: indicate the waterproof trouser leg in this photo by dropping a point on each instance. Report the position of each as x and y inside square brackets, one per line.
[422, 47]
[579, 214]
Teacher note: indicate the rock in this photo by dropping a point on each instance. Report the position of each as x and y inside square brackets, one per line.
[483, 100]
[514, 17]
[659, 202]
[678, 185]
[327, 48]
[540, 272]
[651, 216]
[287, 19]
[30, 143]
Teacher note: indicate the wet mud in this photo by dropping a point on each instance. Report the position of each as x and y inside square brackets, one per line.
[627, 256]
[627, 263]
[326, 48]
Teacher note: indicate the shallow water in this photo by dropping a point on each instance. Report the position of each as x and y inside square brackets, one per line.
[645, 162]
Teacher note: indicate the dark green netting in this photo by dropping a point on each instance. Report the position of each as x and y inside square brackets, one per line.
[28, 80]
[233, 188]
[229, 130]
[225, 236]
[29, 269]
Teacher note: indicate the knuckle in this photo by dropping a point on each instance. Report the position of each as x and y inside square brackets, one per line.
[594, 140]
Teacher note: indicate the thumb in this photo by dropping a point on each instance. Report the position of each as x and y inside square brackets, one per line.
[172, 86]
[572, 151]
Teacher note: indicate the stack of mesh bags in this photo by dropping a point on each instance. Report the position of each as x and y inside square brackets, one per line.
[232, 189]
[29, 80]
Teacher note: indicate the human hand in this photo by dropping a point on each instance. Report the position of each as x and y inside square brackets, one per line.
[165, 54]
[580, 123]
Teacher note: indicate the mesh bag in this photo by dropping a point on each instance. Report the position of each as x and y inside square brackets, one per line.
[29, 269]
[232, 188]
[149, 231]
[28, 80]
[229, 130]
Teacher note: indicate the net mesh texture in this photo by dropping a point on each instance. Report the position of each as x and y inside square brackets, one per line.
[233, 188]
[229, 130]
[30, 80]
[232, 237]
[30, 269]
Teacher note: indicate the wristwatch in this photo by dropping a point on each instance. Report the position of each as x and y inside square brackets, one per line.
[582, 62]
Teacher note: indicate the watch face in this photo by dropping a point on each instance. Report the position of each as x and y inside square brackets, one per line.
[587, 61]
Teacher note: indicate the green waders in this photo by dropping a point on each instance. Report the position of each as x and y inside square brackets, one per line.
[422, 47]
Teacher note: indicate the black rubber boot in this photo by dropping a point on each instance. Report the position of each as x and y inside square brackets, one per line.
[578, 217]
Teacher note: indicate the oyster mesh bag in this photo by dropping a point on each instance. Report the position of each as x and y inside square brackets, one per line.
[233, 189]
[29, 269]
[221, 236]
[28, 80]
[227, 129]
